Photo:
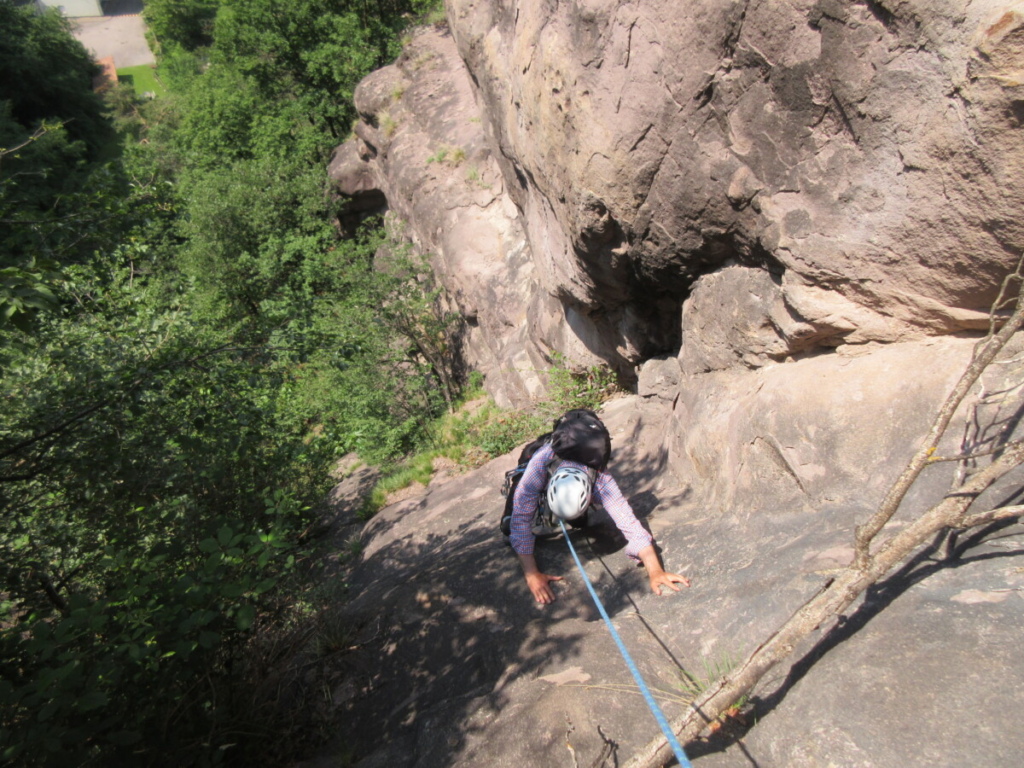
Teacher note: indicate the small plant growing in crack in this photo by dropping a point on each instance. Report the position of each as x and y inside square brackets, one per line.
[388, 124]
[694, 684]
[453, 156]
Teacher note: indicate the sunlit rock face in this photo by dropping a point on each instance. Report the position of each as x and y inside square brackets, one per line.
[733, 183]
[810, 173]
[420, 150]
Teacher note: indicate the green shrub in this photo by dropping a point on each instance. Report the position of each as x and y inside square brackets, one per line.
[575, 388]
[429, 12]
[474, 385]
[471, 437]
[505, 433]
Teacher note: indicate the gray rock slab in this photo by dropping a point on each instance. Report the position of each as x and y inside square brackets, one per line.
[465, 669]
[920, 675]
[457, 666]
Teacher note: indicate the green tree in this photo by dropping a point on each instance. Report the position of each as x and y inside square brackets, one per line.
[219, 111]
[315, 51]
[257, 233]
[149, 490]
[59, 200]
[48, 77]
[211, 346]
[184, 23]
[415, 307]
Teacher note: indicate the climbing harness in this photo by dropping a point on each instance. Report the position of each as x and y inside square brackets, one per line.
[655, 709]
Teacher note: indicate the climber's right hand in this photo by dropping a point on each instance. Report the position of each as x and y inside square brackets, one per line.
[539, 583]
[539, 586]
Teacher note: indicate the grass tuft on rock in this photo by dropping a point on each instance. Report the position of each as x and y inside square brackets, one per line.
[478, 430]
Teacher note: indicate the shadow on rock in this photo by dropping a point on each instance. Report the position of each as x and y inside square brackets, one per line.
[451, 654]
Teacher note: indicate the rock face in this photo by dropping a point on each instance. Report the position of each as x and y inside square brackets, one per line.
[622, 177]
[421, 148]
[784, 223]
[854, 167]
[454, 665]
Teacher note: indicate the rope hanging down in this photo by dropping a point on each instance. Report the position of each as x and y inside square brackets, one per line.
[655, 709]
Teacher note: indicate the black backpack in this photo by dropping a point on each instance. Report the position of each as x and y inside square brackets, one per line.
[581, 437]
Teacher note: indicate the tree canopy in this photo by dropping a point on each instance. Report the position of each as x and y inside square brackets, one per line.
[187, 344]
[57, 200]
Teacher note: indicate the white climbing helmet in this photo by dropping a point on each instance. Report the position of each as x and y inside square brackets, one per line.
[569, 492]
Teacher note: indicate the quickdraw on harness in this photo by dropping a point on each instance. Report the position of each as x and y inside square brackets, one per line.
[510, 479]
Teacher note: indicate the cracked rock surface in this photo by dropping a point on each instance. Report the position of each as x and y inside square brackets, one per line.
[455, 665]
[865, 155]
[857, 166]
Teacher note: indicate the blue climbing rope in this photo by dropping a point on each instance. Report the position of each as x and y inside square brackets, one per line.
[655, 709]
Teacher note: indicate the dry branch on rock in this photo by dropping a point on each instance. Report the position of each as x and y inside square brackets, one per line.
[835, 596]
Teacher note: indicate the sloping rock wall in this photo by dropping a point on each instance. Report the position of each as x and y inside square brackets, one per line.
[784, 223]
[733, 182]
[455, 665]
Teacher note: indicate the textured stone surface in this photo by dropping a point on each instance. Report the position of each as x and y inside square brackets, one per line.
[867, 155]
[781, 220]
[857, 166]
[659, 377]
[752, 485]
[421, 144]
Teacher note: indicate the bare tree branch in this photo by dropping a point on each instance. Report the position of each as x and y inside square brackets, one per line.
[974, 455]
[51, 591]
[838, 594]
[829, 602]
[984, 353]
[983, 518]
[36, 135]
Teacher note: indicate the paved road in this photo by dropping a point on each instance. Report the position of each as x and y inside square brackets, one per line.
[123, 37]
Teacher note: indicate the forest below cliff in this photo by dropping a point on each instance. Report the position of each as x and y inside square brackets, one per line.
[188, 342]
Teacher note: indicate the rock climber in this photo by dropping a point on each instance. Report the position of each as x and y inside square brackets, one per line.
[569, 493]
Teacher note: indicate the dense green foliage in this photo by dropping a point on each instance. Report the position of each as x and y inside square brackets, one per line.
[186, 345]
[47, 77]
[181, 23]
[53, 134]
[578, 388]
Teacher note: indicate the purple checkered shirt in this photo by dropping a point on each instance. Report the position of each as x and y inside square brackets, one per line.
[606, 493]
